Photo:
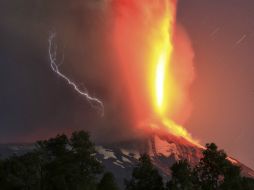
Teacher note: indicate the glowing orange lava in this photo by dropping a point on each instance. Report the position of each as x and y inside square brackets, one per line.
[162, 84]
[144, 38]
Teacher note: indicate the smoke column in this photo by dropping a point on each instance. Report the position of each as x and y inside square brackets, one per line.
[153, 63]
[155, 59]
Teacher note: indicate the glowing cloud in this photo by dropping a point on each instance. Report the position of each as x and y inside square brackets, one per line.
[158, 79]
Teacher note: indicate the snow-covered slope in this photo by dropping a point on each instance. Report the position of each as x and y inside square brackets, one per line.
[121, 157]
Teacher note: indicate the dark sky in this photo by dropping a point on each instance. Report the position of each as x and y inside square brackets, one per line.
[35, 103]
[222, 32]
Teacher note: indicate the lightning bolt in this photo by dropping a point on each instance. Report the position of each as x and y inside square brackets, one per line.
[52, 51]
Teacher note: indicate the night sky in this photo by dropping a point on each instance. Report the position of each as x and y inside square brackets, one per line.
[35, 103]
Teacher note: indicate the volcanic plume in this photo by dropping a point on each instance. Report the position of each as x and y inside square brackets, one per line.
[156, 62]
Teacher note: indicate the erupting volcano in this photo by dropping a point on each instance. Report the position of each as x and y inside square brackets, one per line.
[93, 86]
[155, 58]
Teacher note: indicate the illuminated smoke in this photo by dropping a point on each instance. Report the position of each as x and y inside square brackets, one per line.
[52, 50]
[156, 59]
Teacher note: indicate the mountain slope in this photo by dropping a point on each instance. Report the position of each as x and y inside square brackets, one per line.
[121, 157]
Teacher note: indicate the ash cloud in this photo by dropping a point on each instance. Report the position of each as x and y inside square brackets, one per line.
[37, 104]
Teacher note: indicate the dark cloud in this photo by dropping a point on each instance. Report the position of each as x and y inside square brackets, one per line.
[35, 103]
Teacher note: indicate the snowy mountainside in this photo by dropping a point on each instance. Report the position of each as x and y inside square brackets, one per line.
[120, 158]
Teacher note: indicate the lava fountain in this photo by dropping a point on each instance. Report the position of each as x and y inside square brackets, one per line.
[146, 38]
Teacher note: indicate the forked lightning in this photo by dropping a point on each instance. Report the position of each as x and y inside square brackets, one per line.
[52, 50]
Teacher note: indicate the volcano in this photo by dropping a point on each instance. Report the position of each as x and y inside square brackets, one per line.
[164, 150]
[121, 157]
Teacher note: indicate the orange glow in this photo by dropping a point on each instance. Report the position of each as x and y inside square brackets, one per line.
[152, 67]
[165, 87]
[159, 82]
[162, 82]
[179, 131]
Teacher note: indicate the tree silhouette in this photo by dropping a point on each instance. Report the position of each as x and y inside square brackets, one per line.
[69, 163]
[85, 167]
[211, 168]
[56, 164]
[107, 182]
[247, 183]
[20, 172]
[145, 176]
[63, 163]
[213, 172]
[232, 178]
[181, 177]
[2, 174]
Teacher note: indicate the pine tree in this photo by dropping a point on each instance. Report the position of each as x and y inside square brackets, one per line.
[2, 174]
[107, 182]
[20, 172]
[56, 164]
[247, 183]
[232, 177]
[145, 176]
[85, 167]
[69, 163]
[181, 176]
[209, 171]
